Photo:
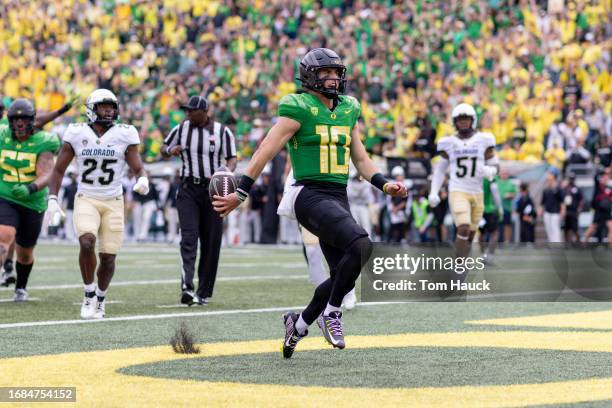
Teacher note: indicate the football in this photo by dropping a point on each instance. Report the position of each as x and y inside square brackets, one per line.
[222, 183]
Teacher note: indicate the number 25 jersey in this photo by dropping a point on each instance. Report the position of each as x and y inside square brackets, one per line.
[100, 160]
[466, 156]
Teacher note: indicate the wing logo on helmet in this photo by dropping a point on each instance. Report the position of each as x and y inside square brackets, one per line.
[317, 59]
[96, 98]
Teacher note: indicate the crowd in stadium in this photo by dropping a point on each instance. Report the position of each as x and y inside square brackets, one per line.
[537, 72]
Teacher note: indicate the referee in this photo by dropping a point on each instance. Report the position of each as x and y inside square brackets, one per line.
[203, 145]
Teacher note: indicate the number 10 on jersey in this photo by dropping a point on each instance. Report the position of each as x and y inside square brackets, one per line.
[330, 140]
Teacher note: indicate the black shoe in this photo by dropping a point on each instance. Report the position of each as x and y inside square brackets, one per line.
[8, 266]
[188, 297]
[292, 337]
[198, 300]
[331, 326]
[8, 278]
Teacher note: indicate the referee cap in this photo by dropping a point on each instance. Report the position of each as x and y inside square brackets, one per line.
[196, 102]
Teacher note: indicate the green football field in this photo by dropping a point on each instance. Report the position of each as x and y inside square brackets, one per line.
[409, 354]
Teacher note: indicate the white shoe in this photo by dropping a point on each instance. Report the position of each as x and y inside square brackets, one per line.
[21, 295]
[88, 308]
[100, 310]
[350, 300]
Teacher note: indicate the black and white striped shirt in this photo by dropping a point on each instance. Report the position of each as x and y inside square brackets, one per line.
[203, 147]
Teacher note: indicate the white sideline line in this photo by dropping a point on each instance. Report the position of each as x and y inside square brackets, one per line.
[166, 281]
[148, 317]
[35, 299]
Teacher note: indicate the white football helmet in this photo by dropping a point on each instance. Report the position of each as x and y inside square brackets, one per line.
[101, 96]
[465, 109]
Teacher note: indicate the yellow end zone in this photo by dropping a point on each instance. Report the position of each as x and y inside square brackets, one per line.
[99, 384]
[586, 320]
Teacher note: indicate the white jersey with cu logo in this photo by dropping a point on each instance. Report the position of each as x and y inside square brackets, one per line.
[100, 160]
[466, 157]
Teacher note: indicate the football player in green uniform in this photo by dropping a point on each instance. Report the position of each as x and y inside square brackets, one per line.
[26, 161]
[319, 127]
[8, 276]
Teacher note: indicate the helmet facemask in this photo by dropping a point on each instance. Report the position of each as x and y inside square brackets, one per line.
[21, 129]
[107, 119]
[318, 84]
[468, 129]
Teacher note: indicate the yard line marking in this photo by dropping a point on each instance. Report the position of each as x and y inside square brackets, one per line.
[158, 265]
[148, 317]
[35, 299]
[166, 281]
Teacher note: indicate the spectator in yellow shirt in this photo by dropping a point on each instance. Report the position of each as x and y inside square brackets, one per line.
[555, 155]
[507, 152]
[531, 151]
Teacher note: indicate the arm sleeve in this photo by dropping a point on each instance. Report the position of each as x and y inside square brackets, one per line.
[52, 143]
[132, 137]
[288, 107]
[68, 136]
[438, 175]
[172, 138]
[229, 143]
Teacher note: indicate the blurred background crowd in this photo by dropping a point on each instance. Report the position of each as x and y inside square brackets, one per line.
[538, 73]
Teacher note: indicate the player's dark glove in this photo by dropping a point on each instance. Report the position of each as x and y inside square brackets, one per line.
[21, 191]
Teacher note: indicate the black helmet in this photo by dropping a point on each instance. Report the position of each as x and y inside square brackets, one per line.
[21, 108]
[315, 60]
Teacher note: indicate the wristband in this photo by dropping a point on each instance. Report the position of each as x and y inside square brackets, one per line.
[65, 108]
[244, 187]
[379, 181]
[52, 197]
[32, 188]
[166, 151]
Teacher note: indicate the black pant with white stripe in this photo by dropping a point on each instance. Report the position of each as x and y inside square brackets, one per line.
[198, 221]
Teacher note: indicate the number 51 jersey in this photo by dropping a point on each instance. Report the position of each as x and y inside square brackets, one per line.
[466, 156]
[100, 160]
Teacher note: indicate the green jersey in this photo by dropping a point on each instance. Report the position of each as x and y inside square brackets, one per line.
[18, 165]
[489, 201]
[320, 149]
[507, 192]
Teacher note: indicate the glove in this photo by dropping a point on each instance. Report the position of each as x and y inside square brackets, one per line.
[20, 191]
[488, 172]
[434, 200]
[142, 186]
[55, 212]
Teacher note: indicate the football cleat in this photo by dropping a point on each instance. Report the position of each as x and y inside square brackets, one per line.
[350, 300]
[331, 326]
[198, 300]
[100, 311]
[88, 307]
[21, 295]
[292, 337]
[488, 260]
[188, 297]
[8, 278]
